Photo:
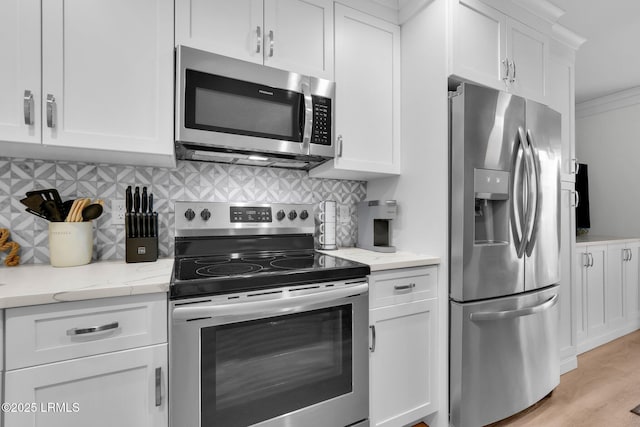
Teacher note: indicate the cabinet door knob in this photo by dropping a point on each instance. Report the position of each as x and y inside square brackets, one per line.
[51, 111]
[28, 107]
[258, 38]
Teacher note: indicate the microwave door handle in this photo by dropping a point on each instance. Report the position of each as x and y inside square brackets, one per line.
[292, 304]
[308, 117]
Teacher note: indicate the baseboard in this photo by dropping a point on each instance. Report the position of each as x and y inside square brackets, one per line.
[568, 364]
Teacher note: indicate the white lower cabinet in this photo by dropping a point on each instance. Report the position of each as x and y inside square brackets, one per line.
[402, 362]
[609, 297]
[124, 388]
[568, 344]
[99, 362]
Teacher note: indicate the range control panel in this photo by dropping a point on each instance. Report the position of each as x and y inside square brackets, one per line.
[225, 218]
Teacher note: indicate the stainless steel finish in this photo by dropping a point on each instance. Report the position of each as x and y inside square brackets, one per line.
[504, 252]
[258, 38]
[206, 145]
[507, 70]
[503, 365]
[291, 300]
[185, 337]
[308, 117]
[512, 314]
[373, 338]
[271, 43]
[408, 287]
[491, 268]
[339, 145]
[543, 257]
[28, 107]
[51, 111]
[158, 386]
[220, 223]
[92, 329]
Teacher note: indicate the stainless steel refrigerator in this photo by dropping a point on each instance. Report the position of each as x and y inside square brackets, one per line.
[504, 254]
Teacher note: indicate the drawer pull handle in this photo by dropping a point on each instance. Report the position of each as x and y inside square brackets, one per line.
[158, 386]
[408, 287]
[92, 329]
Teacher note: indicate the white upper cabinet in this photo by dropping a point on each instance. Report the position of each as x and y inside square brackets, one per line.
[20, 71]
[295, 35]
[108, 92]
[367, 118]
[490, 48]
[80, 75]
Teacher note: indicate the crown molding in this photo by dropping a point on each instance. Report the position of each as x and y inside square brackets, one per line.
[567, 37]
[615, 101]
[542, 8]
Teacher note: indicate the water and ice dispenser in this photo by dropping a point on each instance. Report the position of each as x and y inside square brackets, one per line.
[491, 190]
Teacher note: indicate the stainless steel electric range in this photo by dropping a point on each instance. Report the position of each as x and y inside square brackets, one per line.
[265, 331]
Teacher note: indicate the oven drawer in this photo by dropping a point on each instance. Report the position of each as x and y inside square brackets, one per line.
[54, 332]
[402, 285]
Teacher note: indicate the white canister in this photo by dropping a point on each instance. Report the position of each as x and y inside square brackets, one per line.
[327, 227]
[70, 243]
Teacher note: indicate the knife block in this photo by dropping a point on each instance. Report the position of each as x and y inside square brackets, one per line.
[141, 249]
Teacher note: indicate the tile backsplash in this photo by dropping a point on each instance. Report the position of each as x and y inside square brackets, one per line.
[188, 181]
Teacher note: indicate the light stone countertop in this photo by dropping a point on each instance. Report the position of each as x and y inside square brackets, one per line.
[33, 284]
[379, 261]
[587, 239]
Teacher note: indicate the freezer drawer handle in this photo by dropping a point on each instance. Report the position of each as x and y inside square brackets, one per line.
[510, 314]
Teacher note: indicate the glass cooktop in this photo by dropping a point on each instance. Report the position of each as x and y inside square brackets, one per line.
[242, 272]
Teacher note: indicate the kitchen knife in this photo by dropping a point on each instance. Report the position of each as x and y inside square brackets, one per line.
[136, 210]
[145, 222]
[152, 231]
[128, 200]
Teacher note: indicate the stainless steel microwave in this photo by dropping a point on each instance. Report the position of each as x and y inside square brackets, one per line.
[233, 111]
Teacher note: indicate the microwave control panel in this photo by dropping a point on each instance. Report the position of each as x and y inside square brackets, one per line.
[321, 131]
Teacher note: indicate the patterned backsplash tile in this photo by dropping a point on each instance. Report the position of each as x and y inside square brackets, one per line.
[188, 181]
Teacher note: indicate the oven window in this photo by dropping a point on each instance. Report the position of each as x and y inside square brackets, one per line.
[256, 370]
[228, 105]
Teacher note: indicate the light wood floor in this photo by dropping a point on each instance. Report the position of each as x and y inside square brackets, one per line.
[600, 392]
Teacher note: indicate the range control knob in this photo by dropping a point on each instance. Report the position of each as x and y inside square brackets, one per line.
[304, 214]
[293, 215]
[189, 214]
[205, 214]
[280, 215]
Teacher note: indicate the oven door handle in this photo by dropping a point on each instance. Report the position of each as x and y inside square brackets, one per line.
[270, 307]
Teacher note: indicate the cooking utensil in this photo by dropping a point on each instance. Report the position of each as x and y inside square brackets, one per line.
[152, 228]
[92, 211]
[66, 208]
[48, 194]
[50, 210]
[33, 202]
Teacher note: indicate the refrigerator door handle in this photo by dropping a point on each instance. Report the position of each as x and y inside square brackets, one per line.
[536, 194]
[522, 210]
[511, 314]
[515, 182]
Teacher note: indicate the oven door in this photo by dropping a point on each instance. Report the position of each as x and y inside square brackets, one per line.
[277, 358]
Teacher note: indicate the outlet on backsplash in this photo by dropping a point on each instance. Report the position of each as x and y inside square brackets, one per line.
[117, 212]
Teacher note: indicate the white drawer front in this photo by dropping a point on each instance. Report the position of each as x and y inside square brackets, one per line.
[54, 332]
[403, 286]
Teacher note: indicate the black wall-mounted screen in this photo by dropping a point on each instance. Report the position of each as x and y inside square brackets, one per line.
[582, 187]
